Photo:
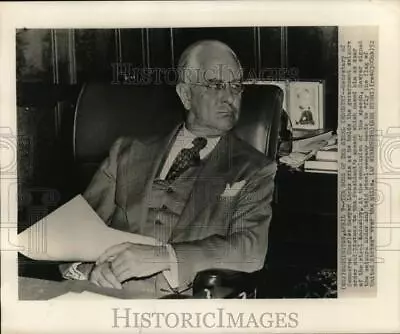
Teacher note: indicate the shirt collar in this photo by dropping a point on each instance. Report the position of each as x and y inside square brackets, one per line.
[190, 136]
[187, 134]
[187, 139]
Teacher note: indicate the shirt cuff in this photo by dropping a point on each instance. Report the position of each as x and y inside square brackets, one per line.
[73, 273]
[171, 274]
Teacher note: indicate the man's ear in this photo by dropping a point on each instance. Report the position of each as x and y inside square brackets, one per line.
[184, 94]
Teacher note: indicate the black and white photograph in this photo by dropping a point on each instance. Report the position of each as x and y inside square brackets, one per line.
[164, 163]
[241, 155]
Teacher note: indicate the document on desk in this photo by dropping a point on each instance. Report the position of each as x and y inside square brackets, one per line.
[74, 232]
[85, 295]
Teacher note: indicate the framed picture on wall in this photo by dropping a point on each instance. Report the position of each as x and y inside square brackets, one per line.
[306, 104]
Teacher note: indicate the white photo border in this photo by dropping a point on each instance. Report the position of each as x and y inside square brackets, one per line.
[380, 314]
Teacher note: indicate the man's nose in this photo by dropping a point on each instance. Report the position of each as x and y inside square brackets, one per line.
[228, 95]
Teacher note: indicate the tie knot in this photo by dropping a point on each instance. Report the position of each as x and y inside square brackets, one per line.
[199, 143]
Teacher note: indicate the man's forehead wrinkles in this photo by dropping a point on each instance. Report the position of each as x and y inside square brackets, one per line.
[212, 72]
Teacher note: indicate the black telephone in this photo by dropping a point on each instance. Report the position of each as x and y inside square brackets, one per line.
[222, 283]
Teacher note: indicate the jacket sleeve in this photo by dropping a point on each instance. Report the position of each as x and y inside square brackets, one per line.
[244, 246]
[100, 193]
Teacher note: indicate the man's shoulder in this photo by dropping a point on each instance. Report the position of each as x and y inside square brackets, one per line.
[121, 146]
[124, 144]
[248, 152]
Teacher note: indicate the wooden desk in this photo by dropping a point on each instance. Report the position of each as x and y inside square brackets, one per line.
[304, 225]
[39, 289]
[303, 232]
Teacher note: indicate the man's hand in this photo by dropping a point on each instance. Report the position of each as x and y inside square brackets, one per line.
[102, 275]
[133, 260]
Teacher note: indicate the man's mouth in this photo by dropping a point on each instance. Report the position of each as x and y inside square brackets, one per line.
[226, 111]
[226, 114]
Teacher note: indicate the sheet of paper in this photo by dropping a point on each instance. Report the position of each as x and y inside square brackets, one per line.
[73, 232]
[85, 295]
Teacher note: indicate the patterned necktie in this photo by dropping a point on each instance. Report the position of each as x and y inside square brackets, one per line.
[186, 158]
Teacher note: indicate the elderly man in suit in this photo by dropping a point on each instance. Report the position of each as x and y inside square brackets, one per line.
[200, 190]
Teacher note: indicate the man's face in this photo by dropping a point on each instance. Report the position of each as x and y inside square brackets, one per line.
[215, 94]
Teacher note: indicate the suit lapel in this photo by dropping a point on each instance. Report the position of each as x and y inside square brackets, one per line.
[219, 169]
[145, 158]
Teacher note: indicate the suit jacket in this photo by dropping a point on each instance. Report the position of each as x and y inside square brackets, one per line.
[221, 226]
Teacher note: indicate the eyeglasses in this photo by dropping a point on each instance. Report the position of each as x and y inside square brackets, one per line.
[234, 87]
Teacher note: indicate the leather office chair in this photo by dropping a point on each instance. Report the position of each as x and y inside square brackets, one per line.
[105, 112]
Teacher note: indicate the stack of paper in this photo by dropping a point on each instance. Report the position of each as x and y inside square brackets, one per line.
[313, 143]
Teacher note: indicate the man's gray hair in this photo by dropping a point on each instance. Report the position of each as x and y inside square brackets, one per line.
[188, 64]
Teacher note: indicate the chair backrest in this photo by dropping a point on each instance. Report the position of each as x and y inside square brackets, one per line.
[105, 112]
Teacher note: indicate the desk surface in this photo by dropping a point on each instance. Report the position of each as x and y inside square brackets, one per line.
[40, 289]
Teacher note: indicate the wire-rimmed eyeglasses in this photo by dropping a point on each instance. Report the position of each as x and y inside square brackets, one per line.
[234, 87]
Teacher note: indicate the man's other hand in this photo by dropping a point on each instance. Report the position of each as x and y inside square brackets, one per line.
[133, 260]
[102, 275]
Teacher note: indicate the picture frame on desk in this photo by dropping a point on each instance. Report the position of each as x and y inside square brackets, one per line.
[304, 101]
[306, 104]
